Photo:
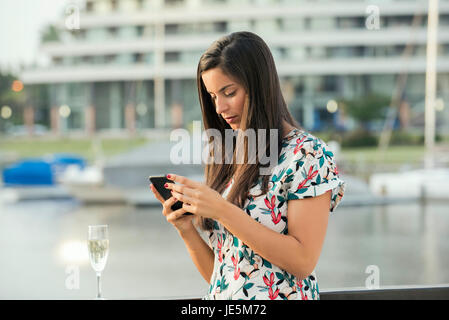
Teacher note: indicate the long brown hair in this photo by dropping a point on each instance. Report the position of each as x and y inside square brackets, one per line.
[245, 58]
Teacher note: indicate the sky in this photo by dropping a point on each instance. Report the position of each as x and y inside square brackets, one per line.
[21, 22]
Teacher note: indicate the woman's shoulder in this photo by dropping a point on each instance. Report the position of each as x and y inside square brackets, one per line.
[299, 143]
[299, 133]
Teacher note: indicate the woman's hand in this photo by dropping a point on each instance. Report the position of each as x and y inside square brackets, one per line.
[197, 198]
[176, 218]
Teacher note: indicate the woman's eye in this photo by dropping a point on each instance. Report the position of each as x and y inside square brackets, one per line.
[226, 95]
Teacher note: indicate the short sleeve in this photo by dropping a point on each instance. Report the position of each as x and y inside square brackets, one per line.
[312, 171]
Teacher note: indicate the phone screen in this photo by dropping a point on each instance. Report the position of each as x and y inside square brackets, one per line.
[159, 182]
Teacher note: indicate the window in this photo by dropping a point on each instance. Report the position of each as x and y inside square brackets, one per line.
[140, 30]
[169, 3]
[114, 5]
[299, 87]
[110, 58]
[112, 32]
[220, 26]
[280, 24]
[350, 22]
[138, 57]
[57, 61]
[86, 59]
[89, 6]
[443, 20]
[171, 28]
[172, 57]
[140, 4]
[329, 83]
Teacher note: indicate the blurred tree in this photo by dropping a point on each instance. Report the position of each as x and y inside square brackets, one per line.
[365, 109]
[13, 95]
[50, 33]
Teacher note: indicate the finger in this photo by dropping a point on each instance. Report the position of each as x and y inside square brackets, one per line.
[181, 189]
[183, 180]
[169, 202]
[167, 205]
[175, 215]
[189, 208]
[182, 197]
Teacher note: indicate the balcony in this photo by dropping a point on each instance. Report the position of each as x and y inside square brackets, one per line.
[333, 38]
[188, 71]
[238, 12]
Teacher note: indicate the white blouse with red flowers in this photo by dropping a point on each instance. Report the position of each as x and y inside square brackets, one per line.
[306, 168]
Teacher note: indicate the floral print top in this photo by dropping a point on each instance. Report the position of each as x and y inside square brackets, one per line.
[305, 169]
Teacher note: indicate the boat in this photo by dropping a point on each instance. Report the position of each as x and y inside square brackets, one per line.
[87, 185]
[36, 178]
[421, 184]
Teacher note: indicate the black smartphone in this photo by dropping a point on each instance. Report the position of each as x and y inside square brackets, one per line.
[159, 182]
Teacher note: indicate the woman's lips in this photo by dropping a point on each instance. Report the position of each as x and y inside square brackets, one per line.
[231, 119]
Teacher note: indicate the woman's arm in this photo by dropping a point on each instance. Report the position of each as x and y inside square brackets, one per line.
[299, 250]
[201, 254]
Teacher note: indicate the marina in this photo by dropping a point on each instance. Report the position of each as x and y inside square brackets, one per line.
[123, 180]
[43, 246]
[148, 259]
[372, 226]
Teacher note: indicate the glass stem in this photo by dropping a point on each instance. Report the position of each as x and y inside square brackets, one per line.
[98, 285]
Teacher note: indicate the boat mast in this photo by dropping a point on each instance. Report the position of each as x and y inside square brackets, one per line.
[431, 81]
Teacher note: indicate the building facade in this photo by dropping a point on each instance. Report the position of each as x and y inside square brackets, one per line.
[131, 65]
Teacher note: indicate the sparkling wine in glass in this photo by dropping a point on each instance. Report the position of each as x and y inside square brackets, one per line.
[98, 245]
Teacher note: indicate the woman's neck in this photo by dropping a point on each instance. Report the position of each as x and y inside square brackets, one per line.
[286, 128]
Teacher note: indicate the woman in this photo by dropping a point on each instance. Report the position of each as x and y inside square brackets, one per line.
[265, 232]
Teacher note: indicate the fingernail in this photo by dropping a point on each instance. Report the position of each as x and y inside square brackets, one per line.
[166, 185]
[168, 175]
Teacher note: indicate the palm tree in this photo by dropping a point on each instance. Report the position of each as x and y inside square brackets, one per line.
[366, 109]
[50, 33]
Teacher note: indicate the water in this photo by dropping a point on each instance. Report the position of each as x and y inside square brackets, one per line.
[43, 247]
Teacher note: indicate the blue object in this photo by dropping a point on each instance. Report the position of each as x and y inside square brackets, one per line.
[61, 161]
[28, 172]
[38, 171]
[66, 159]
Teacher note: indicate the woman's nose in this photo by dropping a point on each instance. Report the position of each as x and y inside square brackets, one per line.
[220, 106]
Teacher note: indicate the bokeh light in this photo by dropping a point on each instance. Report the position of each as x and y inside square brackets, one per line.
[17, 86]
[332, 106]
[6, 112]
[74, 251]
[141, 109]
[64, 111]
[439, 104]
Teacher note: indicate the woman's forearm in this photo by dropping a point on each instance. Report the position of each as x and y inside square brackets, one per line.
[284, 251]
[201, 254]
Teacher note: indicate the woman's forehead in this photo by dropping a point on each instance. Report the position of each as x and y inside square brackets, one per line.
[216, 80]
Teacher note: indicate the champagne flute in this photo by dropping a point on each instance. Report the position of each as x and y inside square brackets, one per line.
[98, 245]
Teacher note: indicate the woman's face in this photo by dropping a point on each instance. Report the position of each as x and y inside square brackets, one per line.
[228, 96]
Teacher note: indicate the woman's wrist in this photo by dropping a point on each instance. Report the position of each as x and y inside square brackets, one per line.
[185, 232]
[226, 210]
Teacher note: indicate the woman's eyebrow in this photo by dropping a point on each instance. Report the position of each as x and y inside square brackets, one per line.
[223, 87]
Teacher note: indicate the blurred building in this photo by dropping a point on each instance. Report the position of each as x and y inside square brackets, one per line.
[133, 61]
